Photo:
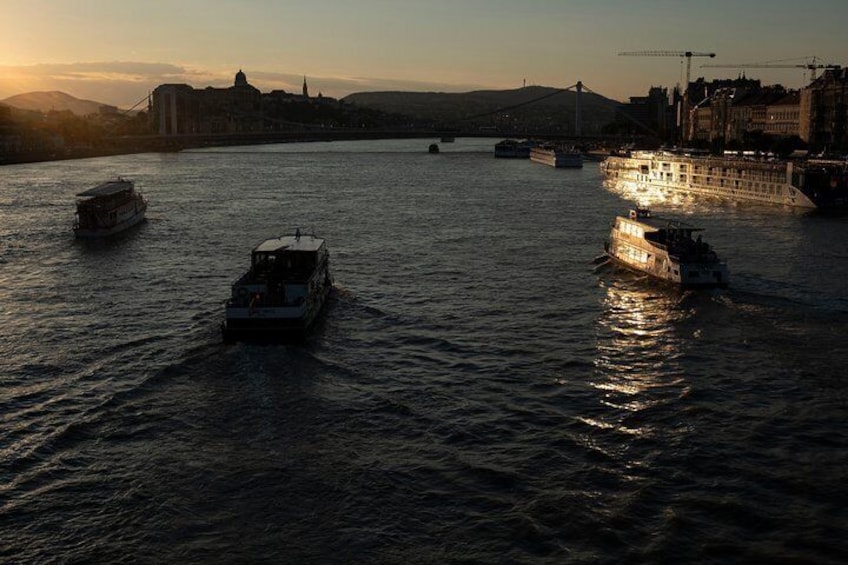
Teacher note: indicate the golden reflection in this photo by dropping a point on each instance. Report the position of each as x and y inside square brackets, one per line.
[647, 196]
[638, 347]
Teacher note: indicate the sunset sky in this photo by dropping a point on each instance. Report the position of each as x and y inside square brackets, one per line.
[116, 51]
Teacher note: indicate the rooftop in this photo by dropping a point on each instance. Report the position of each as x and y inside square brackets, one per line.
[108, 188]
[290, 243]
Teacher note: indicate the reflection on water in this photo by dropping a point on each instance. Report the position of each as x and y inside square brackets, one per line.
[638, 348]
[644, 195]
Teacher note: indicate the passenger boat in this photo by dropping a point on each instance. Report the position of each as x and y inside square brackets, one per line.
[557, 156]
[108, 208]
[664, 249]
[513, 149]
[804, 183]
[283, 292]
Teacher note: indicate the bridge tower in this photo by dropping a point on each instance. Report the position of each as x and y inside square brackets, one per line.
[578, 111]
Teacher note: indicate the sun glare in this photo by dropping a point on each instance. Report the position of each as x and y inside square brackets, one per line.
[12, 83]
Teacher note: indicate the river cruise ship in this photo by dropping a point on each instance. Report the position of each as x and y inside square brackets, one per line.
[108, 208]
[803, 183]
[282, 292]
[665, 249]
[557, 156]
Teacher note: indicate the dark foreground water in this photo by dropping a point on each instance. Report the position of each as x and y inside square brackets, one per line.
[475, 393]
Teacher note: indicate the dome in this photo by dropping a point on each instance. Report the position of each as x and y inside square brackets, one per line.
[241, 79]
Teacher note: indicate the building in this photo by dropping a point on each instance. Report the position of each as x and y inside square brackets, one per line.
[823, 120]
[746, 113]
[742, 112]
[179, 109]
[651, 112]
[783, 116]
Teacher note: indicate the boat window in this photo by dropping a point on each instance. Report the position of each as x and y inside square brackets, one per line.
[633, 230]
[634, 254]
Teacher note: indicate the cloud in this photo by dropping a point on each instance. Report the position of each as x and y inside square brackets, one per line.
[121, 83]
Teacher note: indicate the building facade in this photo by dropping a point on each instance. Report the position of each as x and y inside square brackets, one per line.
[822, 117]
[817, 114]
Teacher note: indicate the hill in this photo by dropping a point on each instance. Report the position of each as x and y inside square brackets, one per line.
[532, 106]
[55, 100]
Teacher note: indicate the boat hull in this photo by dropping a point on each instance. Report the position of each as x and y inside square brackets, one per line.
[556, 158]
[707, 276]
[731, 179]
[135, 219]
[275, 322]
[511, 149]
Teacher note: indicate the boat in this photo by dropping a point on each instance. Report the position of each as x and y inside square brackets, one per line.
[282, 292]
[665, 250]
[434, 148]
[557, 156]
[513, 149]
[805, 183]
[108, 208]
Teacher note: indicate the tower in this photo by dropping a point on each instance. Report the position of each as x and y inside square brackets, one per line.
[305, 89]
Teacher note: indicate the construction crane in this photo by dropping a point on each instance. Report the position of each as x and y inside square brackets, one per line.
[811, 66]
[680, 54]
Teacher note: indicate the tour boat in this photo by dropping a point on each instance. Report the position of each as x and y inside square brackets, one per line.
[664, 249]
[284, 290]
[108, 208]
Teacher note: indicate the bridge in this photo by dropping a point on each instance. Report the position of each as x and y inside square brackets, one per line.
[469, 126]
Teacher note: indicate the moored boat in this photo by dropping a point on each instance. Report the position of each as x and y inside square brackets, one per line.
[665, 249]
[282, 292]
[513, 149]
[557, 156]
[109, 208]
[808, 183]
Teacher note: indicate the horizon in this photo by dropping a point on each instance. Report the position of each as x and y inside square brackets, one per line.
[374, 45]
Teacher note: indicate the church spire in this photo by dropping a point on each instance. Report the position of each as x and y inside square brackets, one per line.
[305, 89]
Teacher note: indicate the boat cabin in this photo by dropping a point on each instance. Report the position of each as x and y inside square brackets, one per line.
[293, 258]
[672, 235]
[105, 195]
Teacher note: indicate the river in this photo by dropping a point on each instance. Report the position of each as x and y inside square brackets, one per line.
[476, 391]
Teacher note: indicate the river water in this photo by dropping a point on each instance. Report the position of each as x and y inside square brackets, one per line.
[476, 392]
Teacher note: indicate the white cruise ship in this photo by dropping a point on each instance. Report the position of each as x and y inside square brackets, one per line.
[807, 184]
[557, 156]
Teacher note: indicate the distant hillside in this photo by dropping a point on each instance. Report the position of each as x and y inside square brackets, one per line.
[58, 101]
[532, 105]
